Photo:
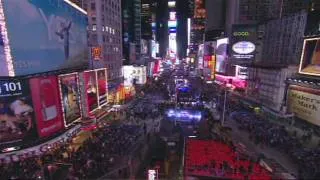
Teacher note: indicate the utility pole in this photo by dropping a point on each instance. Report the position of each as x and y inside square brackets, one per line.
[224, 106]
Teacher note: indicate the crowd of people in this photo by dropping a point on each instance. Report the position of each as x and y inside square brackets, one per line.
[269, 134]
[103, 150]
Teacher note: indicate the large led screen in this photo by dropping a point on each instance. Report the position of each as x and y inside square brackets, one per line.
[17, 119]
[221, 55]
[70, 96]
[91, 89]
[47, 105]
[102, 86]
[310, 58]
[45, 35]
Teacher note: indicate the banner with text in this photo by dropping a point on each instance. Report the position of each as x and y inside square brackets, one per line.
[17, 120]
[304, 103]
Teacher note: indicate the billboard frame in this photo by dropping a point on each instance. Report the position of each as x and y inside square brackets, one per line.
[302, 57]
[106, 71]
[79, 99]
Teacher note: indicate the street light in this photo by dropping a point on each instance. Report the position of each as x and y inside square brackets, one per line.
[226, 88]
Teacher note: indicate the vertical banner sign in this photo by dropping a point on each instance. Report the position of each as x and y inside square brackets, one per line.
[17, 120]
[70, 97]
[90, 80]
[47, 105]
[212, 66]
[102, 86]
[243, 43]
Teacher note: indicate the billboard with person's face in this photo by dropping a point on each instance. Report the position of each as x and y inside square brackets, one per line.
[45, 35]
[47, 105]
[91, 89]
[102, 86]
[70, 97]
[310, 58]
[17, 120]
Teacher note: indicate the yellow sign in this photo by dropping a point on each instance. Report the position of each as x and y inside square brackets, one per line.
[304, 103]
[96, 53]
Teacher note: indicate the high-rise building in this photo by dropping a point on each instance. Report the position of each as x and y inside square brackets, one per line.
[104, 30]
[131, 29]
[197, 25]
[146, 19]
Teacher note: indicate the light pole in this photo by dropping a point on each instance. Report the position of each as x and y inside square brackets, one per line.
[224, 106]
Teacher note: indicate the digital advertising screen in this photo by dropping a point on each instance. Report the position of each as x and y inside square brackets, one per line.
[91, 88]
[102, 86]
[70, 96]
[45, 35]
[47, 105]
[243, 41]
[310, 57]
[17, 115]
[221, 55]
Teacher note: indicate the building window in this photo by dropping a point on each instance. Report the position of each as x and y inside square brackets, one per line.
[94, 27]
[93, 6]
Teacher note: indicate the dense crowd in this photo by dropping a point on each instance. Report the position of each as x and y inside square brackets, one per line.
[265, 133]
[93, 159]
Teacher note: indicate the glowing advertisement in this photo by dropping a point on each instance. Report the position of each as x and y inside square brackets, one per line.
[134, 75]
[304, 103]
[45, 35]
[242, 72]
[70, 97]
[310, 57]
[102, 86]
[173, 44]
[17, 115]
[243, 42]
[47, 105]
[221, 55]
[91, 89]
[172, 24]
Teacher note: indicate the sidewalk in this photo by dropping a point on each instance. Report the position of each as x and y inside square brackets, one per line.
[243, 138]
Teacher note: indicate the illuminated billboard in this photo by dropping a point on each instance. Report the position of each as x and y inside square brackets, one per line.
[173, 45]
[310, 57]
[171, 4]
[91, 90]
[134, 75]
[304, 103]
[17, 115]
[70, 96]
[172, 16]
[243, 42]
[47, 105]
[221, 55]
[102, 86]
[172, 24]
[44, 35]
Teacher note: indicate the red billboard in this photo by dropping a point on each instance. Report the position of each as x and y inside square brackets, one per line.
[102, 86]
[69, 90]
[90, 81]
[17, 119]
[47, 105]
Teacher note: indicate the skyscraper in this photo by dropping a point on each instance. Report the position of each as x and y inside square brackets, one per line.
[197, 25]
[104, 30]
[131, 30]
